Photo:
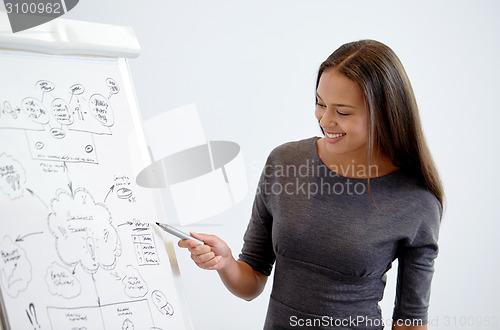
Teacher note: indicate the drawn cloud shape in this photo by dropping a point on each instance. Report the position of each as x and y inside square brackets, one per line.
[62, 282]
[134, 284]
[15, 268]
[12, 176]
[83, 231]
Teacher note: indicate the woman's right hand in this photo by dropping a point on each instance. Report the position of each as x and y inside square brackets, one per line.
[214, 255]
[237, 276]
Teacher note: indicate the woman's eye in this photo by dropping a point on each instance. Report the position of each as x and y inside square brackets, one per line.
[342, 113]
[320, 105]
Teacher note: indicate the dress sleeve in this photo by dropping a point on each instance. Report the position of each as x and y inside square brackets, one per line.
[416, 267]
[257, 249]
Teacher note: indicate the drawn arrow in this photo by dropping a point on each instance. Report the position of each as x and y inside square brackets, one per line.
[97, 293]
[116, 276]
[70, 184]
[110, 190]
[35, 195]
[130, 223]
[21, 238]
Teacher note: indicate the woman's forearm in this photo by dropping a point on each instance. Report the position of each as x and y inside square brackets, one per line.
[241, 280]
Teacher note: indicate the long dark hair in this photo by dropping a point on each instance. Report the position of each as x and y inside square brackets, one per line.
[394, 123]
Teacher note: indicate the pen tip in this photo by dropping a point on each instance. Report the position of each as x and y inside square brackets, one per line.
[158, 223]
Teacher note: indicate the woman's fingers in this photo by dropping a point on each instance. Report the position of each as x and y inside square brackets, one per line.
[202, 258]
[184, 243]
[198, 249]
[189, 244]
[207, 239]
[209, 255]
[209, 263]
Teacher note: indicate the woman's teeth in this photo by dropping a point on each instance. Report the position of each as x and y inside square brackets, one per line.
[336, 135]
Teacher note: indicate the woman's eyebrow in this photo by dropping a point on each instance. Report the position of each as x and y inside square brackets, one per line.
[339, 105]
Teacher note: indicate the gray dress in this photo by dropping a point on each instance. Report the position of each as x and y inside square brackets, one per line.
[332, 244]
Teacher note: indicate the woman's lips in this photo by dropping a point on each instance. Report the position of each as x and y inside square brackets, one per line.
[334, 137]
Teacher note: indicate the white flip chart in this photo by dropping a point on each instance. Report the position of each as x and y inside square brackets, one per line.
[77, 246]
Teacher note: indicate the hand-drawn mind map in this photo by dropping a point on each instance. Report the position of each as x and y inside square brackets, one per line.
[80, 231]
[61, 128]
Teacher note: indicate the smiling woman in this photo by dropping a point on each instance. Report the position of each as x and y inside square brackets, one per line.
[369, 72]
[330, 242]
[343, 116]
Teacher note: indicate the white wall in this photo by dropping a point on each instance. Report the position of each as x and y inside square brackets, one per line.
[250, 67]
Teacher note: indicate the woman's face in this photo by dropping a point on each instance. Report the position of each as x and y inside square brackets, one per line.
[343, 116]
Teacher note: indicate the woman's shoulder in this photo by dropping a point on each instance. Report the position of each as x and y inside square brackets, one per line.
[294, 151]
[411, 194]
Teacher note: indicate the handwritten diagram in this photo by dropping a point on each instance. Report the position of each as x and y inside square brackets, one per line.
[77, 250]
[12, 176]
[15, 267]
[83, 231]
[58, 128]
[62, 282]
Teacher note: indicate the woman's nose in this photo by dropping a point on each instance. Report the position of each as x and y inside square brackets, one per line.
[328, 119]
